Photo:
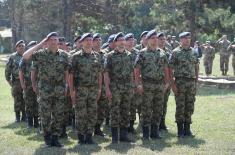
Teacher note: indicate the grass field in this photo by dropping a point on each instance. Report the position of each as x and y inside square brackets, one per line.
[213, 124]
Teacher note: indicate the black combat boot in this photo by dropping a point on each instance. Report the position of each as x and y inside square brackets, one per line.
[47, 139]
[145, 130]
[89, 139]
[23, 118]
[17, 117]
[155, 132]
[29, 122]
[98, 131]
[81, 139]
[107, 121]
[187, 131]
[180, 127]
[162, 125]
[55, 142]
[131, 127]
[123, 135]
[35, 122]
[114, 131]
[64, 134]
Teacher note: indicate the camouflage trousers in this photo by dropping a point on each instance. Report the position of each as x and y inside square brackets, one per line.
[51, 110]
[166, 97]
[86, 109]
[31, 103]
[224, 61]
[120, 106]
[135, 103]
[151, 107]
[102, 108]
[233, 64]
[208, 66]
[17, 93]
[185, 99]
[67, 110]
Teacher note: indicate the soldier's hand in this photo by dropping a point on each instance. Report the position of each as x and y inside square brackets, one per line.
[73, 97]
[98, 96]
[166, 87]
[174, 89]
[109, 95]
[140, 89]
[35, 89]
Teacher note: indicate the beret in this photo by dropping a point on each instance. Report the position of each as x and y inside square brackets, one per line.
[151, 33]
[52, 34]
[86, 35]
[19, 42]
[118, 35]
[184, 34]
[143, 33]
[111, 37]
[32, 43]
[128, 36]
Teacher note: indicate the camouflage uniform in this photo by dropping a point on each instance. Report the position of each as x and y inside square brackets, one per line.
[152, 64]
[224, 55]
[30, 97]
[232, 49]
[208, 59]
[119, 66]
[183, 63]
[12, 76]
[51, 88]
[174, 44]
[86, 68]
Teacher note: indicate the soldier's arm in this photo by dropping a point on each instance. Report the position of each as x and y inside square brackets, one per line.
[8, 71]
[107, 83]
[34, 80]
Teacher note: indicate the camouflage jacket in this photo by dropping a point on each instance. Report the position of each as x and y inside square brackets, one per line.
[151, 64]
[209, 52]
[86, 68]
[119, 66]
[51, 68]
[223, 47]
[12, 68]
[25, 67]
[183, 62]
[174, 44]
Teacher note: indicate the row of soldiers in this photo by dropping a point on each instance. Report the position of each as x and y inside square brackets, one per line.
[116, 80]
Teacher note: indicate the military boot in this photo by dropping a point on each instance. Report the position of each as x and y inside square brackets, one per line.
[55, 142]
[17, 117]
[131, 127]
[47, 139]
[187, 131]
[35, 122]
[114, 131]
[98, 131]
[180, 127]
[23, 118]
[29, 122]
[123, 135]
[162, 125]
[81, 139]
[145, 130]
[155, 132]
[89, 139]
[64, 134]
[107, 121]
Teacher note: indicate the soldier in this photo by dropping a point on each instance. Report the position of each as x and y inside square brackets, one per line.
[223, 44]
[52, 64]
[102, 103]
[168, 42]
[12, 77]
[162, 45]
[105, 45]
[209, 56]
[136, 99]
[30, 97]
[174, 42]
[62, 43]
[232, 49]
[86, 85]
[151, 72]
[117, 77]
[143, 41]
[78, 45]
[184, 64]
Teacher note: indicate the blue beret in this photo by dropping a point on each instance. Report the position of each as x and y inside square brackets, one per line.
[31, 43]
[128, 36]
[143, 33]
[160, 34]
[19, 42]
[184, 34]
[52, 34]
[105, 45]
[96, 35]
[151, 33]
[77, 38]
[111, 37]
[118, 35]
[86, 35]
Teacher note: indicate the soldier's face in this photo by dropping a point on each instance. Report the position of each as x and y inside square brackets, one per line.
[130, 42]
[185, 41]
[78, 44]
[120, 44]
[53, 42]
[87, 43]
[20, 48]
[144, 40]
[161, 41]
[97, 42]
[152, 41]
[173, 39]
[62, 45]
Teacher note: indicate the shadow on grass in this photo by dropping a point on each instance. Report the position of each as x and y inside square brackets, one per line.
[50, 151]
[211, 91]
[191, 142]
[121, 147]
[84, 149]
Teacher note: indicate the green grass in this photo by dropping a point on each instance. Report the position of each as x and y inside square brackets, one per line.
[213, 124]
